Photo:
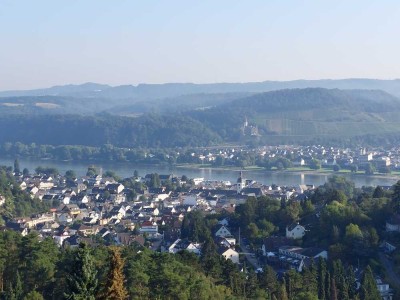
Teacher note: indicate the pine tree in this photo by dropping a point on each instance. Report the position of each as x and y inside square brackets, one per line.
[33, 296]
[251, 285]
[114, 288]
[396, 197]
[18, 289]
[321, 278]
[310, 283]
[328, 286]
[268, 280]
[334, 292]
[10, 294]
[351, 280]
[283, 292]
[369, 290]
[82, 281]
[16, 166]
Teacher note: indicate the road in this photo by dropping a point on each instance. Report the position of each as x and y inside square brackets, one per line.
[388, 265]
[251, 258]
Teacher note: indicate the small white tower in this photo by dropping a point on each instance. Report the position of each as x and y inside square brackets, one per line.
[241, 183]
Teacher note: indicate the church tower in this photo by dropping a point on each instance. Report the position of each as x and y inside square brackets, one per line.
[241, 183]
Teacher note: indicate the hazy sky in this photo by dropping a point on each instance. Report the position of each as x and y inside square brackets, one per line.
[45, 43]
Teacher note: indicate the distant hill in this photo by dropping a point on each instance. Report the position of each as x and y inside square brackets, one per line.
[296, 114]
[80, 90]
[129, 100]
[149, 131]
[157, 91]
[284, 116]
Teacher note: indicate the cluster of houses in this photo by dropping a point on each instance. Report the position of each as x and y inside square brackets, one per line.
[98, 209]
[100, 206]
[304, 155]
[284, 252]
[223, 238]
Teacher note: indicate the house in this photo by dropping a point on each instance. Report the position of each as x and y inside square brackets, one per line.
[295, 231]
[123, 238]
[384, 289]
[180, 245]
[222, 231]
[190, 200]
[149, 228]
[161, 197]
[18, 226]
[393, 224]
[224, 222]
[273, 243]
[78, 199]
[151, 211]
[64, 218]
[252, 191]
[115, 188]
[61, 237]
[40, 219]
[389, 247]
[227, 242]
[32, 190]
[229, 253]
[298, 258]
[71, 209]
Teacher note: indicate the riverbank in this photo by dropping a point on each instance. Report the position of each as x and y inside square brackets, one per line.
[294, 170]
[293, 177]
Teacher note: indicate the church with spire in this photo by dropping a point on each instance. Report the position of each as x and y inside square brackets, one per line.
[240, 183]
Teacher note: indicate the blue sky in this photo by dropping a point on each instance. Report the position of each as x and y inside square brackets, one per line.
[45, 43]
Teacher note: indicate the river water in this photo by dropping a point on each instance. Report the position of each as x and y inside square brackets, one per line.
[268, 178]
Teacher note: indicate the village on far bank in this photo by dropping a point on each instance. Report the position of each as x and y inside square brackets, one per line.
[149, 211]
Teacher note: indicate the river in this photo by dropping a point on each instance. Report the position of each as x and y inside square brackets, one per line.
[127, 169]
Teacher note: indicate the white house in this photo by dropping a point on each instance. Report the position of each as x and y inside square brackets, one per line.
[222, 231]
[60, 238]
[180, 245]
[229, 253]
[197, 181]
[295, 231]
[149, 228]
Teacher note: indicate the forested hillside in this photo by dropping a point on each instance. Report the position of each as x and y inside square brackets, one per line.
[285, 116]
[147, 131]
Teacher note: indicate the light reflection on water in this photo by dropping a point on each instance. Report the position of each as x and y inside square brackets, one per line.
[127, 169]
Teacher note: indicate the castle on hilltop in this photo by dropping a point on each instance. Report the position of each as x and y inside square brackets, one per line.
[249, 129]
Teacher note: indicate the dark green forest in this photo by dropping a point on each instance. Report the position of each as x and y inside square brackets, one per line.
[147, 131]
[37, 269]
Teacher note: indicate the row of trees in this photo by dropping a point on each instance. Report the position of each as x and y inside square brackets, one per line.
[30, 269]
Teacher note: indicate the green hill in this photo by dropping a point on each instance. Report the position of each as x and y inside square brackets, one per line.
[294, 114]
[285, 116]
